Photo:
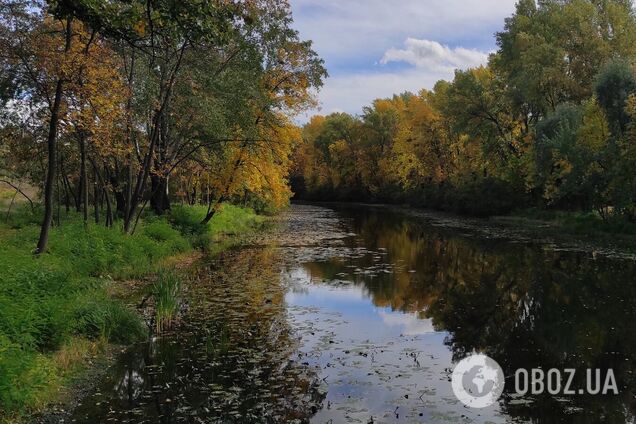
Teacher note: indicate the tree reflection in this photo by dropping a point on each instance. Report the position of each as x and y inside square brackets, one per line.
[525, 306]
[231, 362]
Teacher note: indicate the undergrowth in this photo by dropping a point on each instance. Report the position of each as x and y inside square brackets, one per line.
[51, 303]
[582, 223]
[230, 220]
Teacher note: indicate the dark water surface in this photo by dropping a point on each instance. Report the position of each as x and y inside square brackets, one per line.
[359, 315]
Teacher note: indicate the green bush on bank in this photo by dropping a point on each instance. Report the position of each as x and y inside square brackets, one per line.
[581, 223]
[48, 301]
[591, 223]
[229, 220]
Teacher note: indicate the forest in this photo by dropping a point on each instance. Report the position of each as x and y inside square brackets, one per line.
[549, 123]
[142, 140]
[113, 107]
[127, 131]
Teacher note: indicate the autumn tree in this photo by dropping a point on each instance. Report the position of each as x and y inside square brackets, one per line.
[41, 67]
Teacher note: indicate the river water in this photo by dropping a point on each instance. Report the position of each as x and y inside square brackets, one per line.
[359, 314]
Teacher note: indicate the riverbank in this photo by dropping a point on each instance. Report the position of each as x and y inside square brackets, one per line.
[560, 231]
[359, 314]
[64, 313]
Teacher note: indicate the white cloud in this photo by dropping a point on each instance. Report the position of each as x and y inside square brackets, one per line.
[346, 30]
[359, 39]
[433, 55]
[353, 91]
[410, 324]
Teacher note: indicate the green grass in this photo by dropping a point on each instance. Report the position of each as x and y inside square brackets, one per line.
[230, 220]
[580, 223]
[55, 301]
[166, 291]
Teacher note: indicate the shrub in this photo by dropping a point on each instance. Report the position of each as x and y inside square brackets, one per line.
[24, 376]
[229, 220]
[110, 321]
[187, 219]
[23, 216]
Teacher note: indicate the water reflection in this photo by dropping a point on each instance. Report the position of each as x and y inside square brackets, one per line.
[359, 316]
[522, 305]
[231, 362]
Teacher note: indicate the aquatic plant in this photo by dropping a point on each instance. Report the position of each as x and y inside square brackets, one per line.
[166, 291]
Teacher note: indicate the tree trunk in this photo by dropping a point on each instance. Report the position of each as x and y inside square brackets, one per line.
[70, 194]
[12, 201]
[51, 144]
[127, 201]
[165, 94]
[83, 178]
[96, 192]
[79, 196]
[102, 182]
[159, 200]
[212, 210]
[109, 210]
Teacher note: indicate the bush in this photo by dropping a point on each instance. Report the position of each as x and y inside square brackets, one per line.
[481, 197]
[23, 216]
[110, 321]
[586, 223]
[187, 219]
[46, 301]
[233, 220]
[229, 220]
[24, 376]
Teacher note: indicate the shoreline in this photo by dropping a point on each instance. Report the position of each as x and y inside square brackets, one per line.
[96, 367]
[83, 361]
[513, 228]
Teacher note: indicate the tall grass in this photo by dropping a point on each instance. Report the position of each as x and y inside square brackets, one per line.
[167, 292]
[230, 220]
[49, 300]
[52, 302]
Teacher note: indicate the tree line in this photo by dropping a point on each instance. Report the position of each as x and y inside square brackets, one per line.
[549, 122]
[114, 108]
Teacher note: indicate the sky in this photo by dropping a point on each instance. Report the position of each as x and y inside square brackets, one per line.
[377, 48]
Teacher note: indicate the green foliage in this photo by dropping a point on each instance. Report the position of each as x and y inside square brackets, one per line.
[48, 301]
[23, 216]
[188, 219]
[162, 232]
[108, 320]
[538, 37]
[229, 220]
[592, 223]
[23, 375]
[166, 291]
[234, 220]
[614, 84]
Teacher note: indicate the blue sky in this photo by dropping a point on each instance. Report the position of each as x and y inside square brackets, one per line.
[375, 48]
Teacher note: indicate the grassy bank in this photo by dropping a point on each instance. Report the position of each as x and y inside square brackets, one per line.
[575, 223]
[55, 309]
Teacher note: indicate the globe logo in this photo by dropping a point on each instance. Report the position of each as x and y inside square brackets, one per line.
[478, 381]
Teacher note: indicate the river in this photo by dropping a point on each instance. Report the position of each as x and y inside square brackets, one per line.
[359, 314]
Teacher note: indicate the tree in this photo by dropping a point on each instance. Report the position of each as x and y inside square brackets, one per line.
[42, 63]
[614, 85]
[551, 53]
[188, 48]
